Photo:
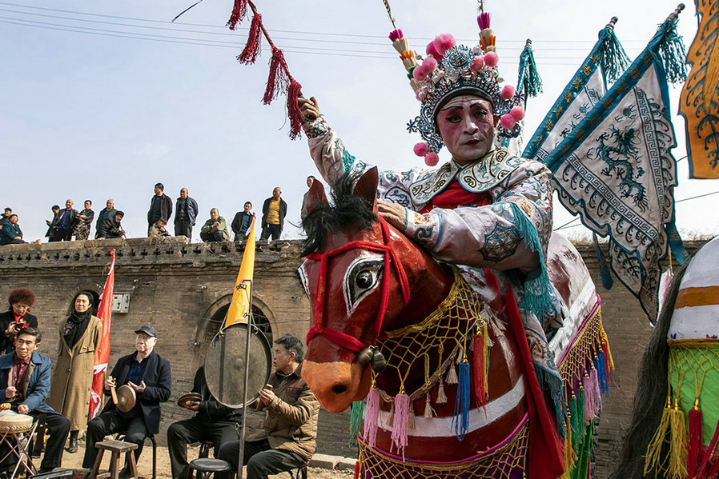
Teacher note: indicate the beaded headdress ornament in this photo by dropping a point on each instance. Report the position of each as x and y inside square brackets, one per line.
[450, 69]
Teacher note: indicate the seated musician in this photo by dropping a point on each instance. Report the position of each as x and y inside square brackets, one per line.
[213, 422]
[26, 390]
[149, 375]
[291, 423]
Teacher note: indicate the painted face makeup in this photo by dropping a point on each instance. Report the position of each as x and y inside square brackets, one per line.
[466, 124]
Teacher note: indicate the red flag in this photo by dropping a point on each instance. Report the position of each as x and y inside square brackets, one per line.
[102, 353]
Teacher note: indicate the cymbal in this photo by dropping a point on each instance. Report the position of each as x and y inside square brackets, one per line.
[189, 397]
[125, 398]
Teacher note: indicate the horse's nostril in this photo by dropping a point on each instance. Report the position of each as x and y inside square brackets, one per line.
[339, 389]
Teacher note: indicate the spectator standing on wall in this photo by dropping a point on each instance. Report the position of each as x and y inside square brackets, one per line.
[55, 211]
[16, 318]
[11, 232]
[108, 212]
[214, 229]
[303, 212]
[84, 223]
[186, 211]
[160, 207]
[242, 222]
[64, 223]
[72, 379]
[274, 211]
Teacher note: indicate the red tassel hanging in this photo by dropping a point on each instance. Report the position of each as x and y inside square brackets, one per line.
[278, 80]
[694, 456]
[357, 470]
[254, 42]
[293, 109]
[238, 13]
[479, 368]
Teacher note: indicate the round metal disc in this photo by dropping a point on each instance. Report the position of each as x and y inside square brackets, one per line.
[189, 397]
[125, 398]
[225, 365]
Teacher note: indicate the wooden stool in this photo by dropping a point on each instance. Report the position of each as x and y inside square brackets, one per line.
[301, 472]
[206, 467]
[116, 448]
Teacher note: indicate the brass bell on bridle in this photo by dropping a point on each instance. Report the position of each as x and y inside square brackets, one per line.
[371, 355]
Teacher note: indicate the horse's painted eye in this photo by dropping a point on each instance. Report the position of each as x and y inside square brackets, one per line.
[362, 277]
[365, 279]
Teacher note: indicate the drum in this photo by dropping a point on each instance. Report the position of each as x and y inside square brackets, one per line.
[15, 423]
[225, 365]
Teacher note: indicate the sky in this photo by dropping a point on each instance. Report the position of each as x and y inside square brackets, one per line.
[102, 100]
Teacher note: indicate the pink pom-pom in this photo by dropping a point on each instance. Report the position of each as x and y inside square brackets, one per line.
[430, 63]
[444, 42]
[477, 64]
[431, 50]
[507, 121]
[517, 113]
[491, 59]
[507, 92]
[431, 159]
[395, 35]
[421, 149]
[420, 72]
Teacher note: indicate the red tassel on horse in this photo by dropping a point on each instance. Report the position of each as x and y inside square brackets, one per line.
[479, 368]
[278, 79]
[293, 109]
[238, 13]
[694, 456]
[254, 42]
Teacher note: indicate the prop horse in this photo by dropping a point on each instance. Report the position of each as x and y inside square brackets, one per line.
[446, 390]
[674, 431]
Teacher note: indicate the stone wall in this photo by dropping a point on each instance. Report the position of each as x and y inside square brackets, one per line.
[182, 289]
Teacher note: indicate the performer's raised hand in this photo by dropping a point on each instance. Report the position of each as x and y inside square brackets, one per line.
[309, 108]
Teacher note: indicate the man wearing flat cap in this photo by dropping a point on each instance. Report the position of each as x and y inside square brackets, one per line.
[149, 376]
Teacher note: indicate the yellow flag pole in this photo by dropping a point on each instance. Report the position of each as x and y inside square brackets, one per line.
[241, 300]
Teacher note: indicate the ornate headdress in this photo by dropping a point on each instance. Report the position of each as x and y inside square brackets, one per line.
[449, 70]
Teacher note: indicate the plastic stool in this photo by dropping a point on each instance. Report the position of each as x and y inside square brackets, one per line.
[206, 467]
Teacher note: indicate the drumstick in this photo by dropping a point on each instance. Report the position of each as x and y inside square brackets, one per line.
[261, 405]
[112, 392]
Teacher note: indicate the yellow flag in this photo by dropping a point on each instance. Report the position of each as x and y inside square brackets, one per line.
[240, 306]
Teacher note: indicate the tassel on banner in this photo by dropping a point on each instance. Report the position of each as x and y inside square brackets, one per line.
[371, 416]
[238, 13]
[614, 58]
[277, 81]
[400, 422]
[480, 366]
[695, 445]
[293, 109]
[254, 42]
[671, 51]
[529, 80]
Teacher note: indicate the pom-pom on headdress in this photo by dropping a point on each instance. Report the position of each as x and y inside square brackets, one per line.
[450, 69]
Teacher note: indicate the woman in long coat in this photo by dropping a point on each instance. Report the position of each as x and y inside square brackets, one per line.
[72, 379]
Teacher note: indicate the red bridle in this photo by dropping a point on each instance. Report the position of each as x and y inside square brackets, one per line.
[390, 257]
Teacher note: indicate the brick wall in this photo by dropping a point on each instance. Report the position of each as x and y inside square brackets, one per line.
[179, 287]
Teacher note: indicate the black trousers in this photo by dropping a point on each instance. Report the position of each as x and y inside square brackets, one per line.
[60, 234]
[215, 237]
[183, 433]
[274, 230]
[183, 228]
[260, 458]
[111, 422]
[58, 427]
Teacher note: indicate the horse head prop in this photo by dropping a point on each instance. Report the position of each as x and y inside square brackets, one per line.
[363, 278]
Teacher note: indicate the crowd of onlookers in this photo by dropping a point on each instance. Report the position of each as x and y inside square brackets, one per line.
[69, 222]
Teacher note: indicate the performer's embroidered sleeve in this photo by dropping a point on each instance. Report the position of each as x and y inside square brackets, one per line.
[332, 159]
[492, 236]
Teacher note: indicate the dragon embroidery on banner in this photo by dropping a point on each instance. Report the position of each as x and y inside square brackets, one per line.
[619, 150]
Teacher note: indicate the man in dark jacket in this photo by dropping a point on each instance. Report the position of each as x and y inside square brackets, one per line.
[108, 212]
[242, 222]
[27, 390]
[274, 211]
[149, 375]
[64, 223]
[111, 227]
[160, 207]
[213, 422]
[186, 211]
